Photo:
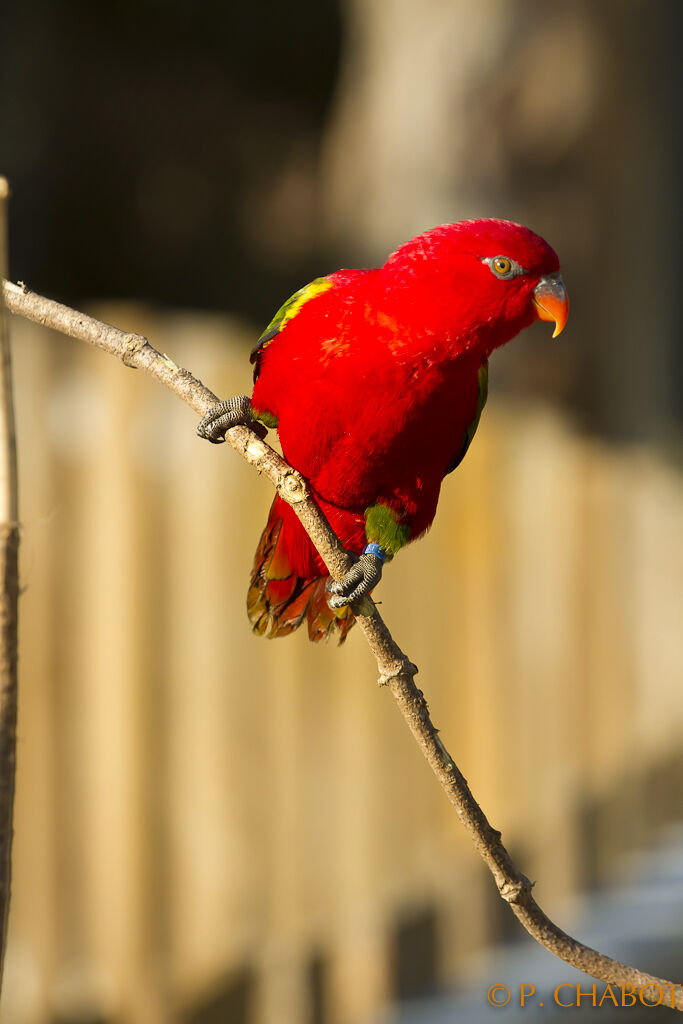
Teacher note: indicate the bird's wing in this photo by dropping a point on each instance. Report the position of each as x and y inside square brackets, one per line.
[285, 313]
[472, 429]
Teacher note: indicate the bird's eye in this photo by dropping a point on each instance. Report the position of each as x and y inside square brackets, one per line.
[504, 267]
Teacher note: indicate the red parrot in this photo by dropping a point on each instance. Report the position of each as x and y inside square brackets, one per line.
[376, 380]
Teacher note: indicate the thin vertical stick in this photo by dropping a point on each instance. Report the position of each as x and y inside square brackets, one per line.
[9, 592]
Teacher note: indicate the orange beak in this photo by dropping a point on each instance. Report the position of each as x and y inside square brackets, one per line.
[551, 301]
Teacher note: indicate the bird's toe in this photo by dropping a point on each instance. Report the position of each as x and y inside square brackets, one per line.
[231, 413]
[361, 578]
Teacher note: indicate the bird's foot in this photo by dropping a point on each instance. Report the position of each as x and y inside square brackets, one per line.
[231, 413]
[357, 583]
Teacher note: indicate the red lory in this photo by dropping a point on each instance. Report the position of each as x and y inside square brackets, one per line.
[376, 380]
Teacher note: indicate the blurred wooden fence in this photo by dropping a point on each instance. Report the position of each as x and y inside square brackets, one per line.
[215, 828]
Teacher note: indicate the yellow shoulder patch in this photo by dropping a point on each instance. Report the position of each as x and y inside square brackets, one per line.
[288, 310]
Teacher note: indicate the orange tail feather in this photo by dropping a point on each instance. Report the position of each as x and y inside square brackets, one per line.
[278, 601]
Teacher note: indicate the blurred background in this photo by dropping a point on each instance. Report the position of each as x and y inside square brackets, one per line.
[214, 828]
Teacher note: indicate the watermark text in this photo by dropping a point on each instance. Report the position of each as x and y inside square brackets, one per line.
[572, 995]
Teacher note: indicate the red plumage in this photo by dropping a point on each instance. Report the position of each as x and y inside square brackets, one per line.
[374, 381]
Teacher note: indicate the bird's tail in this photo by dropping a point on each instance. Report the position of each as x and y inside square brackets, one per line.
[279, 599]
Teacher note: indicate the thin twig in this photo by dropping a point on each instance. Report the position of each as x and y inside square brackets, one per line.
[9, 594]
[395, 669]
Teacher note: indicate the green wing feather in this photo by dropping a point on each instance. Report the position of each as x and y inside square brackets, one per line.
[285, 313]
[472, 429]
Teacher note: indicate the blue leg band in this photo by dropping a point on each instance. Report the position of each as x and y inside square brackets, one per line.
[375, 549]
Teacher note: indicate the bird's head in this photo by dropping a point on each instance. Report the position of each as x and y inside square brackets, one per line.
[494, 278]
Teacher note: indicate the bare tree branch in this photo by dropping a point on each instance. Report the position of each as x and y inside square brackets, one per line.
[9, 593]
[395, 668]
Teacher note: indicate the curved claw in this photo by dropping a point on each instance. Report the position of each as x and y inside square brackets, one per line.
[231, 413]
[359, 581]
